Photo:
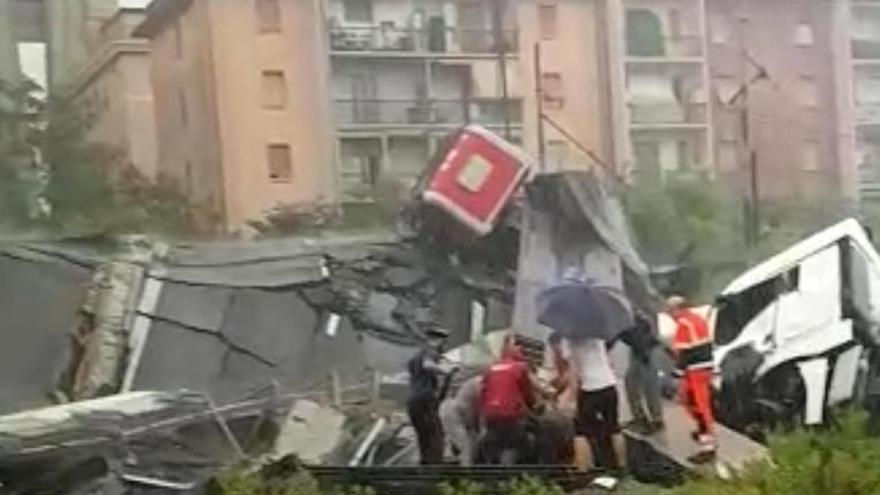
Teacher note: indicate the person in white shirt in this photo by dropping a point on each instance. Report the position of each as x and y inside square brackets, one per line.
[598, 417]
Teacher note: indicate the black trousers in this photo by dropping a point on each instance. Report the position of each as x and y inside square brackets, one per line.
[504, 436]
[598, 419]
[425, 418]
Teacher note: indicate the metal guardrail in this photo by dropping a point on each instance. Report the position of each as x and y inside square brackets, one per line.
[387, 37]
[418, 479]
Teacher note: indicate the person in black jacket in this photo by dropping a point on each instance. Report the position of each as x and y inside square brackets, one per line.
[642, 382]
[429, 383]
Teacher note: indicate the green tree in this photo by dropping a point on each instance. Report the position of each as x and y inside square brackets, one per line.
[699, 222]
[55, 178]
[840, 460]
[19, 119]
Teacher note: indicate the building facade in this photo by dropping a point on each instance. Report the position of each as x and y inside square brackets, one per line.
[564, 48]
[242, 103]
[773, 64]
[404, 73]
[294, 101]
[729, 90]
[114, 86]
[263, 103]
[864, 70]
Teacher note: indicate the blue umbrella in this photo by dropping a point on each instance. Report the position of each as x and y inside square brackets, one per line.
[583, 309]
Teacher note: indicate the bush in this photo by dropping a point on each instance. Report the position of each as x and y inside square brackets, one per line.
[842, 460]
[243, 481]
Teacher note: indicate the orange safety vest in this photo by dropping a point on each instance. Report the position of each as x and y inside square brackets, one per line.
[693, 342]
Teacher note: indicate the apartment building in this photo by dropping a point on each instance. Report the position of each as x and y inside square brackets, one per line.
[691, 73]
[664, 111]
[294, 101]
[572, 80]
[404, 73]
[242, 103]
[864, 70]
[114, 87]
[794, 112]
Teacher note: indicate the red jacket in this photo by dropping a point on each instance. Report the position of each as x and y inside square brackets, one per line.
[693, 342]
[506, 389]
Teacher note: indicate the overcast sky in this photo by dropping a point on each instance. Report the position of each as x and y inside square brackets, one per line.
[33, 55]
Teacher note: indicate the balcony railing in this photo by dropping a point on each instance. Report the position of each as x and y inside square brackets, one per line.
[868, 113]
[866, 49]
[661, 114]
[665, 48]
[439, 40]
[488, 112]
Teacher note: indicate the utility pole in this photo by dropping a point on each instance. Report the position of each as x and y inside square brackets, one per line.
[539, 108]
[749, 153]
[499, 7]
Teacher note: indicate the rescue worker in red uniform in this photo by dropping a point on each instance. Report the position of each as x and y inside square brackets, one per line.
[692, 347]
[505, 403]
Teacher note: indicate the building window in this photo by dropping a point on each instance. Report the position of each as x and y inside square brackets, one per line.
[547, 20]
[358, 10]
[274, 89]
[808, 92]
[803, 34]
[268, 16]
[552, 89]
[644, 34]
[178, 39]
[184, 111]
[810, 160]
[280, 163]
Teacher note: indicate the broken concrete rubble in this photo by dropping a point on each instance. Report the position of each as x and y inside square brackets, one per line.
[310, 431]
[106, 315]
[128, 438]
[225, 319]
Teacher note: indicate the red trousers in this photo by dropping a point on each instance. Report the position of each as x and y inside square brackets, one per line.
[696, 394]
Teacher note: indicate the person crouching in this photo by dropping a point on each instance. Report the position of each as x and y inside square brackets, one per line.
[504, 406]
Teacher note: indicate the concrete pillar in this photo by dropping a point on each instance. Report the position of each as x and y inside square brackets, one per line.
[10, 69]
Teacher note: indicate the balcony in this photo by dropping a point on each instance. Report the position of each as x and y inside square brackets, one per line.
[866, 50]
[680, 49]
[489, 112]
[869, 180]
[667, 115]
[868, 113]
[389, 39]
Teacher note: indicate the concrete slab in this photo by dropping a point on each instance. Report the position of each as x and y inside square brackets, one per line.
[734, 449]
